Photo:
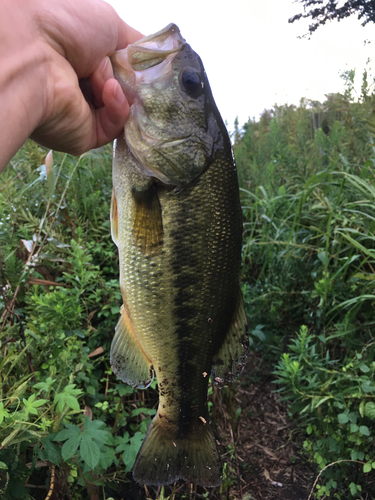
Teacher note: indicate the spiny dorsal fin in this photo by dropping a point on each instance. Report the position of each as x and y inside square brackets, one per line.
[114, 218]
[128, 360]
[230, 360]
[147, 230]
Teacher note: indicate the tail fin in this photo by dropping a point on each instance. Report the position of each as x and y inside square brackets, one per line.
[164, 457]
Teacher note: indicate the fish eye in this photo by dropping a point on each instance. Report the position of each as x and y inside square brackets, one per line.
[191, 80]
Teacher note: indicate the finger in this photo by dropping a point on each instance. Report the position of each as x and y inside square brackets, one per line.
[110, 119]
[98, 79]
[127, 35]
[83, 32]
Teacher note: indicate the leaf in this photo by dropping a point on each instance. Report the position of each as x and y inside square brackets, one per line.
[343, 418]
[367, 467]
[98, 431]
[145, 411]
[354, 428]
[90, 451]
[67, 397]
[364, 368]
[72, 431]
[72, 402]
[129, 457]
[362, 408]
[131, 450]
[353, 488]
[322, 257]
[107, 457]
[370, 410]
[45, 386]
[3, 412]
[52, 451]
[364, 430]
[31, 404]
[70, 447]
[367, 387]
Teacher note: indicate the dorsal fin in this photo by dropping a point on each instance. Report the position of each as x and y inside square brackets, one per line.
[230, 360]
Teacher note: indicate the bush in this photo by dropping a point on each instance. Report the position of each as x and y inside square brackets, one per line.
[63, 413]
[307, 176]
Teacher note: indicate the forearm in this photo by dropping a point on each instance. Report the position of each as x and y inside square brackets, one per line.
[22, 67]
[21, 102]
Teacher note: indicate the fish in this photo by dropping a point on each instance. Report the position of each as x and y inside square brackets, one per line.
[176, 220]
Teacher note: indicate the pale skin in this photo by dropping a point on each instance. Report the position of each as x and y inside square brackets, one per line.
[49, 50]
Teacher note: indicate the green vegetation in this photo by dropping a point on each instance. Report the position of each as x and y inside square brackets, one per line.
[60, 405]
[307, 177]
[308, 190]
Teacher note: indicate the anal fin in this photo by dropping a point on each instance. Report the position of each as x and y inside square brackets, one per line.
[128, 360]
[230, 360]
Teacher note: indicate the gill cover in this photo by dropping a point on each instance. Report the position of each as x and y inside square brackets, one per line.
[166, 131]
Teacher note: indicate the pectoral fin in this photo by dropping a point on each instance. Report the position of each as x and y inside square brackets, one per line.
[128, 360]
[114, 218]
[230, 360]
[147, 230]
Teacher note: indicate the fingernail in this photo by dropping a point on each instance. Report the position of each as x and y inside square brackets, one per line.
[118, 94]
[104, 69]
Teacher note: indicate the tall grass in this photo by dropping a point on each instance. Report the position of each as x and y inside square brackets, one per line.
[308, 177]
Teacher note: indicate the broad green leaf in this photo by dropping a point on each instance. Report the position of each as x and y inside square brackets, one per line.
[343, 418]
[353, 488]
[90, 451]
[72, 432]
[72, 402]
[364, 368]
[52, 451]
[123, 442]
[129, 456]
[124, 390]
[367, 467]
[131, 450]
[107, 457]
[364, 430]
[370, 410]
[98, 431]
[70, 447]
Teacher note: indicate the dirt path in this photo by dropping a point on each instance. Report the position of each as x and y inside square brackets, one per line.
[268, 461]
[262, 457]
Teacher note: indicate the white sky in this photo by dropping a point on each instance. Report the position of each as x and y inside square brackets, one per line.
[252, 55]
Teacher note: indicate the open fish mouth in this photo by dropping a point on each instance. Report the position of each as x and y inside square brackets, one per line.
[153, 49]
[129, 64]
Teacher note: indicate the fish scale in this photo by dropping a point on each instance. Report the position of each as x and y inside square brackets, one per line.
[176, 219]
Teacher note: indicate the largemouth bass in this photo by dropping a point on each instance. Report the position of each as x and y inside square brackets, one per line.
[176, 219]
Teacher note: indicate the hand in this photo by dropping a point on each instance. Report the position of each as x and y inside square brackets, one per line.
[52, 52]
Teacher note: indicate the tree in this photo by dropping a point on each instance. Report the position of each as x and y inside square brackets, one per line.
[321, 11]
